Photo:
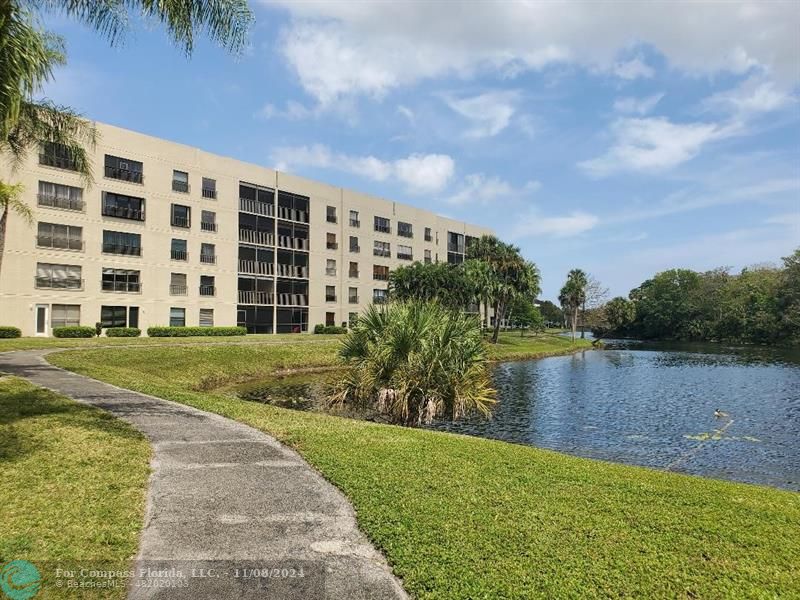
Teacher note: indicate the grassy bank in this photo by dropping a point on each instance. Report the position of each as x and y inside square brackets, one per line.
[512, 346]
[462, 517]
[74, 482]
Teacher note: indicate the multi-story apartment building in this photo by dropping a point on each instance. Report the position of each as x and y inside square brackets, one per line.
[167, 234]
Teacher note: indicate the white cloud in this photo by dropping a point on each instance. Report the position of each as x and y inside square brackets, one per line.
[407, 113]
[753, 96]
[638, 106]
[490, 113]
[652, 144]
[479, 189]
[340, 47]
[419, 173]
[294, 111]
[569, 225]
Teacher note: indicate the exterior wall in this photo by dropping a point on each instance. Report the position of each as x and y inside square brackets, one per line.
[19, 296]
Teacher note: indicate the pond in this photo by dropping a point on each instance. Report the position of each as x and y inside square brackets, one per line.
[635, 403]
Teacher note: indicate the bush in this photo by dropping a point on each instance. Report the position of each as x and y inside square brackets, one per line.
[98, 328]
[194, 331]
[329, 329]
[74, 331]
[10, 332]
[123, 332]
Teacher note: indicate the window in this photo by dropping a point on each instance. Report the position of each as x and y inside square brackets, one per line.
[121, 242]
[208, 254]
[405, 252]
[354, 222]
[206, 317]
[208, 221]
[381, 249]
[380, 273]
[178, 250]
[379, 296]
[65, 315]
[56, 195]
[177, 317]
[354, 247]
[57, 155]
[114, 316]
[383, 225]
[123, 207]
[124, 169]
[209, 188]
[121, 280]
[405, 229]
[65, 237]
[428, 235]
[330, 293]
[330, 214]
[207, 285]
[331, 242]
[181, 216]
[352, 295]
[58, 277]
[177, 284]
[330, 267]
[133, 316]
[353, 272]
[180, 182]
[330, 319]
[427, 257]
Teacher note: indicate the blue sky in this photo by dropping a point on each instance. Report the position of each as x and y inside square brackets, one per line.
[622, 138]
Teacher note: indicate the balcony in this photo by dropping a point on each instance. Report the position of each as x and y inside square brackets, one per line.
[380, 276]
[379, 299]
[122, 249]
[292, 214]
[124, 174]
[58, 283]
[355, 223]
[59, 162]
[180, 186]
[352, 299]
[382, 253]
[208, 226]
[208, 290]
[332, 245]
[179, 255]
[51, 201]
[353, 274]
[383, 228]
[248, 297]
[125, 287]
[406, 233]
[122, 212]
[330, 272]
[184, 222]
[257, 208]
[293, 299]
[331, 219]
[178, 290]
[208, 259]
[284, 241]
[428, 237]
[209, 193]
[330, 297]
[294, 271]
[255, 267]
[58, 243]
[262, 238]
[405, 256]
[355, 249]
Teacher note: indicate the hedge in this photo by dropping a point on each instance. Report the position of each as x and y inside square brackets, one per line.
[10, 332]
[329, 329]
[74, 331]
[123, 332]
[194, 331]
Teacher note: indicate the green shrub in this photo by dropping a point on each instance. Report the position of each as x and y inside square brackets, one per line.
[98, 328]
[194, 331]
[319, 328]
[329, 329]
[74, 331]
[10, 332]
[123, 332]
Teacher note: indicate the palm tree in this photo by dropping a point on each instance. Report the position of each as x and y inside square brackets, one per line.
[573, 295]
[479, 273]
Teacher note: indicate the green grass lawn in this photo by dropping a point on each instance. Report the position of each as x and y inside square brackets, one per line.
[512, 346]
[461, 517]
[74, 483]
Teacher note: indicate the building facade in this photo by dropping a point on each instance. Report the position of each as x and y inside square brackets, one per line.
[166, 234]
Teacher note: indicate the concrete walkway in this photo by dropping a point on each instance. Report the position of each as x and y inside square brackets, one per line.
[231, 513]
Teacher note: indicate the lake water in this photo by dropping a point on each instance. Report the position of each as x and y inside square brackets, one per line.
[650, 405]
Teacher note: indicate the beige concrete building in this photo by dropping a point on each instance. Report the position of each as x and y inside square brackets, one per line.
[169, 234]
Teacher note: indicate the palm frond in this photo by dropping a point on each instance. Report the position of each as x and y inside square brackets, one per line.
[10, 201]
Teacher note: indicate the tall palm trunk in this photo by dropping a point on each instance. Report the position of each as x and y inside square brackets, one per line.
[499, 309]
[485, 312]
[574, 322]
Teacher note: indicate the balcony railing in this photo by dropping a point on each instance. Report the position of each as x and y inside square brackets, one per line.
[208, 259]
[208, 193]
[178, 289]
[124, 174]
[262, 238]
[184, 222]
[355, 223]
[121, 212]
[330, 297]
[254, 206]
[284, 241]
[353, 274]
[295, 271]
[60, 243]
[381, 252]
[292, 214]
[383, 228]
[428, 237]
[330, 272]
[180, 186]
[352, 299]
[379, 299]
[208, 226]
[179, 255]
[123, 249]
[355, 249]
[405, 256]
[332, 246]
[59, 162]
[127, 287]
[52, 201]
[208, 290]
[380, 276]
[252, 297]
[405, 233]
[58, 283]
[255, 267]
[331, 219]
[293, 299]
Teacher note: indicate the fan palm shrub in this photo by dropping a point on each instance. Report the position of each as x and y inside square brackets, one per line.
[415, 361]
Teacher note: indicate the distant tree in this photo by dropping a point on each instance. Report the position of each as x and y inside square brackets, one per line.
[619, 314]
[573, 296]
[525, 315]
[446, 283]
[480, 275]
[596, 294]
[552, 314]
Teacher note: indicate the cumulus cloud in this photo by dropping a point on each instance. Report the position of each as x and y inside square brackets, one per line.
[569, 225]
[638, 106]
[753, 96]
[490, 113]
[477, 188]
[340, 47]
[419, 173]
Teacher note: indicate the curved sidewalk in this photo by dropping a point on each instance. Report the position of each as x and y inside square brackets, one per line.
[237, 513]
